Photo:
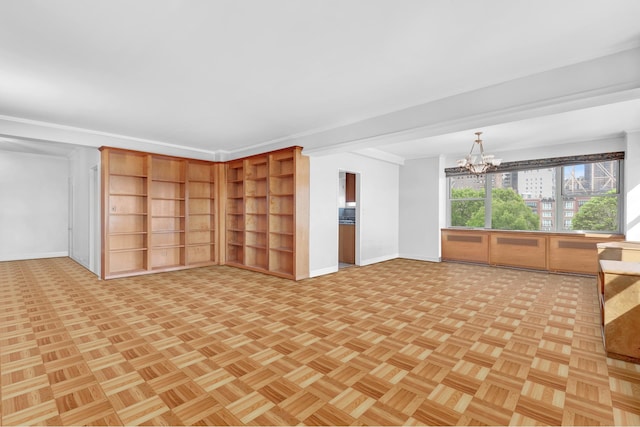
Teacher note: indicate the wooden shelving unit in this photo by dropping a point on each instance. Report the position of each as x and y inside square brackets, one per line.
[165, 213]
[255, 202]
[202, 208]
[158, 213]
[124, 220]
[235, 213]
[282, 228]
[267, 213]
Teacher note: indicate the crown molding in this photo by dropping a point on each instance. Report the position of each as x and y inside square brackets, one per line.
[17, 127]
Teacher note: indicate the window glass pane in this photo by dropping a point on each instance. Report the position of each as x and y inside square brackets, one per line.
[467, 201]
[467, 187]
[590, 178]
[596, 213]
[592, 190]
[518, 199]
[467, 213]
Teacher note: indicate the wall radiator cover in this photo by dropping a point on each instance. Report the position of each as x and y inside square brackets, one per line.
[516, 241]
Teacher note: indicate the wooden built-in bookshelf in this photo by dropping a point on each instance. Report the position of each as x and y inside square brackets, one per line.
[159, 213]
[163, 213]
[267, 213]
[202, 208]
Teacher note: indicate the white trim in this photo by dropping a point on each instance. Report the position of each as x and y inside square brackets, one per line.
[323, 271]
[378, 259]
[100, 133]
[420, 258]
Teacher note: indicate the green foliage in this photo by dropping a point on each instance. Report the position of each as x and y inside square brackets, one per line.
[598, 214]
[509, 212]
[463, 210]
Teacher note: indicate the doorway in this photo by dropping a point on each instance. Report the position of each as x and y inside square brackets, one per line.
[347, 219]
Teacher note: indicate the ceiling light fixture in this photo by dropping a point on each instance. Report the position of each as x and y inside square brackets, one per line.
[485, 163]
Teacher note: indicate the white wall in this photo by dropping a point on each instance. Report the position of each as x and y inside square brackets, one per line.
[378, 210]
[632, 186]
[33, 206]
[422, 208]
[81, 162]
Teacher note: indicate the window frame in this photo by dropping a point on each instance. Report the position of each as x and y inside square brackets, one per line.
[558, 211]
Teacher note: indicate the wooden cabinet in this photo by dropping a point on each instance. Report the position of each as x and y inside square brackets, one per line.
[347, 243]
[576, 254]
[620, 305]
[267, 213]
[619, 251]
[158, 213]
[350, 187]
[526, 250]
[465, 245]
[560, 252]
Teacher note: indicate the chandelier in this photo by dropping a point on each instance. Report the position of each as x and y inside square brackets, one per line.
[479, 165]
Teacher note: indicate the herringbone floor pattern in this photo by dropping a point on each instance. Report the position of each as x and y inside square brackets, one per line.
[396, 343]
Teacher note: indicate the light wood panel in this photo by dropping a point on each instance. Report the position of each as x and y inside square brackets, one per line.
[465, 245]
[558, 252]
[526, 250]
[347, 243]
[620, 287]
[577, 254]
[395, 343]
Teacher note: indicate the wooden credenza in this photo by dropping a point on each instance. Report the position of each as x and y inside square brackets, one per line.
[556, 252]
[619, 291]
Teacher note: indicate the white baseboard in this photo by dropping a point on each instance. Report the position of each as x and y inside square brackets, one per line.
[420, 257]
[378, 259]
[20, 257]
[323, 271]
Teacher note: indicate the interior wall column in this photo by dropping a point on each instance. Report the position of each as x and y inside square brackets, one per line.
[632, 186]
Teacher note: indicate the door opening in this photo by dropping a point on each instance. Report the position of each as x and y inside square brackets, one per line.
[347, 220]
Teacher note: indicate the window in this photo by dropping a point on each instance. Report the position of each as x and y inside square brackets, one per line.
[597, 188]
[467, 194]
[577, 193]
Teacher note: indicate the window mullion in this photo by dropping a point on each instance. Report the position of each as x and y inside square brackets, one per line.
[559, 205]
[487, 201]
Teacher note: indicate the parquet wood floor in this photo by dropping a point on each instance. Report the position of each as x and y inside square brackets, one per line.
[396, 343]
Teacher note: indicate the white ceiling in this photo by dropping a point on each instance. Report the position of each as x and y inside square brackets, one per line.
[228, 75]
